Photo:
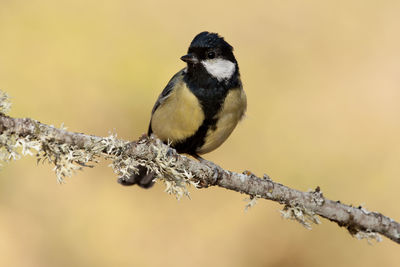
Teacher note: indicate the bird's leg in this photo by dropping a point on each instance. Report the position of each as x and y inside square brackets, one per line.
[196, 156]
[204, 161]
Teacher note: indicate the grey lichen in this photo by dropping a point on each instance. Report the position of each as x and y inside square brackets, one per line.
[170, 171]
[317, 196]
[369, 236]
[8, 150]
[166, 168]
[11, 146]
[66, 158]
[7, 141]
[251, 202]
[302, 215]
[5, 104]
[122, 164]
[10, 143]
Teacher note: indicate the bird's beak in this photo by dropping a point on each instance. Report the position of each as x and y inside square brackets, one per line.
[190, 58]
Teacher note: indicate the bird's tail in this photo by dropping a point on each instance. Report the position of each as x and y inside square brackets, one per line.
[143, 179]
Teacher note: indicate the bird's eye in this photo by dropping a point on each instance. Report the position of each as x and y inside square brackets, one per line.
[211, 55]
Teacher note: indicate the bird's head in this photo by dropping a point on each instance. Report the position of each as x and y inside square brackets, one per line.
[210, 52]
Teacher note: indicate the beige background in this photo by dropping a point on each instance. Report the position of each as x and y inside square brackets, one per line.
[323, 86]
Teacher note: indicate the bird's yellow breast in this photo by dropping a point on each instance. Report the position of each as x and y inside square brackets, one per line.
[179, 115]
[228, 117]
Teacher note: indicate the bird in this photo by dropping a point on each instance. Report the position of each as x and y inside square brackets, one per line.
[201, 104]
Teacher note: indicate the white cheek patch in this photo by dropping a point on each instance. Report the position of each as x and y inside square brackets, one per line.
[219, 68]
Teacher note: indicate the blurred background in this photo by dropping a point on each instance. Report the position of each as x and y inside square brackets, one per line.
[323, 86]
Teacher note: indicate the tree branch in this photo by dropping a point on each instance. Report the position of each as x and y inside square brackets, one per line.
[71, 151]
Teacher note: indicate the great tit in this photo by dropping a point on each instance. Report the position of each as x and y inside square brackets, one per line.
[201, 104]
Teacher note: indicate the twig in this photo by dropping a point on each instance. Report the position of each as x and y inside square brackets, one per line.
[70, 151]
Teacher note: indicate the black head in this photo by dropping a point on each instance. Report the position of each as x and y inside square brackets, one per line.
[210, 40]
[210, 52]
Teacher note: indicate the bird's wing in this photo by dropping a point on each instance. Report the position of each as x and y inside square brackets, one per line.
[168, 89]
[166, 93]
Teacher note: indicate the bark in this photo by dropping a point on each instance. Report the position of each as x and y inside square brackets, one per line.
[69, 151]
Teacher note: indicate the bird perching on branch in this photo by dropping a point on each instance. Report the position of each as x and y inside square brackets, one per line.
[200, 106]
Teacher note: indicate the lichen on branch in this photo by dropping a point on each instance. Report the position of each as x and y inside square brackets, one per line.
[69, 152]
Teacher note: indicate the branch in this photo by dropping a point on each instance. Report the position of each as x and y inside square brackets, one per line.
[70, 151]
